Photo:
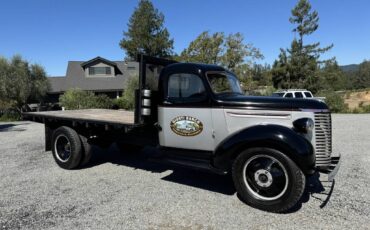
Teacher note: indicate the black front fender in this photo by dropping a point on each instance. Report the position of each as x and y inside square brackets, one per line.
[286, 140]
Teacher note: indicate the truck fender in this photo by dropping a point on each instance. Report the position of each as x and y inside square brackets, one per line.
[284, 139]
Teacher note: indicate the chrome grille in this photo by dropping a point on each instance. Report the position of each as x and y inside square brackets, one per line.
[323, 145]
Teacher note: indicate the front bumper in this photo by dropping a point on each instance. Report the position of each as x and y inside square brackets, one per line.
[327, 175]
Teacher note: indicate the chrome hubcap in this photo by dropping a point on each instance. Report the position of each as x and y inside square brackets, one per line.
[265, 177]
[62, 148]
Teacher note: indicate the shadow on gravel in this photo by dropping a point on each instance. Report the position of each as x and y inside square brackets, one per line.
[141, 160]
[321, 191]
[315, 189]
[10, 128]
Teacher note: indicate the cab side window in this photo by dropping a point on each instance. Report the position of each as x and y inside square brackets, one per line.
[185, 88]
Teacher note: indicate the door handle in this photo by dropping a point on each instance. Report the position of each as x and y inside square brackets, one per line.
[167, 103]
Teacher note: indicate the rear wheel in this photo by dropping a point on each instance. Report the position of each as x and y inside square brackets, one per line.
[66, 147]
[86, 150]
[267, 179]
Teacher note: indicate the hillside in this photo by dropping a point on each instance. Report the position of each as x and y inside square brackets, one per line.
[357, 99]
[349, 68]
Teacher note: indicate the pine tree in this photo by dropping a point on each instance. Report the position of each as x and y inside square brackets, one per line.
[362, 79]
[297, 66]
[146, 33]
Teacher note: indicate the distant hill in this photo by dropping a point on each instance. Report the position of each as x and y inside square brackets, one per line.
[349, 68]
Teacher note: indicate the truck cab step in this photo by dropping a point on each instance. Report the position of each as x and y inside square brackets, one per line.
[198, 164]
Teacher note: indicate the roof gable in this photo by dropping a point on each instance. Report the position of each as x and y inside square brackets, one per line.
[98, 59]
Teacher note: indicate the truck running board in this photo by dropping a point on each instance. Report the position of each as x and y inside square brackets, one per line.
[197, 164]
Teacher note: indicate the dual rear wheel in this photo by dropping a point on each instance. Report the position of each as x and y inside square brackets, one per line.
[70, 150]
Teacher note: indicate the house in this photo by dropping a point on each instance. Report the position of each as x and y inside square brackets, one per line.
[98, 75]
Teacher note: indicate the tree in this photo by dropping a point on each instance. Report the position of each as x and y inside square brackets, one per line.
[331, 77]
[236, 52]
[262, 74]
[146, 33]
[228, 51]
[205, 48]
[280, 71]
[39, 83]
[363, 75]
[297, 67]
[21, 83]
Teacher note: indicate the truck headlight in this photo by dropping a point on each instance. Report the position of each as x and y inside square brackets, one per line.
[304, 125]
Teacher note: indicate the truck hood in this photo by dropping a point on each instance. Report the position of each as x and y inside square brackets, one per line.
[272, 103]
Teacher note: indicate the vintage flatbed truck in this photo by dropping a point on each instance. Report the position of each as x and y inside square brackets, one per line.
[199, 117]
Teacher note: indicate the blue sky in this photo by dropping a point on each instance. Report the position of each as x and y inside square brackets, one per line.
[51, 32]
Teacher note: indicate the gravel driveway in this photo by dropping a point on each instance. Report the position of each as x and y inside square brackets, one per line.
[126, 191]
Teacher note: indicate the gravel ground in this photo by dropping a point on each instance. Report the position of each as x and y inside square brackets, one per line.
[126, 191]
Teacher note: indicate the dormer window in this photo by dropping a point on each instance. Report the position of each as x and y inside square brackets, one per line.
[100, 71]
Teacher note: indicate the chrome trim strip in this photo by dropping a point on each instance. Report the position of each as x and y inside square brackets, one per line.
[316, 110]
[257, 115]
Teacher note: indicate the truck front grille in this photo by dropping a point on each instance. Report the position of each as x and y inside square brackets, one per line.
[323, 145]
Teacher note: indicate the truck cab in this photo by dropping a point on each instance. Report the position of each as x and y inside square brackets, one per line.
[200, 118]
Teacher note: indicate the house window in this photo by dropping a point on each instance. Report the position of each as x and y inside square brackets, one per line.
[100, 71]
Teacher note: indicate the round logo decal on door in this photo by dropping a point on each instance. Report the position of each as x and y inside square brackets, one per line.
[186, 126]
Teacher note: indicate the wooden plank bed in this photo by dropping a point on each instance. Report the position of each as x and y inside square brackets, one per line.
[101, 116]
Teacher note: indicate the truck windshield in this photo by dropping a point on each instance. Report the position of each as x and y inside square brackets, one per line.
[223, 83]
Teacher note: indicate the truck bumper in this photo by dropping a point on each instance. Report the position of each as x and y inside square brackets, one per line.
[327, 175]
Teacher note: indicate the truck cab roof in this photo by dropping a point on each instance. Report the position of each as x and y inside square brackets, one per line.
[196, 66]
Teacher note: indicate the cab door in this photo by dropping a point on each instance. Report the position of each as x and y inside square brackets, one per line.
[185, 113]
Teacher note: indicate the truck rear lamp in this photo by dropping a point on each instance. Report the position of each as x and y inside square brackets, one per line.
[303, 125]
[146, 102]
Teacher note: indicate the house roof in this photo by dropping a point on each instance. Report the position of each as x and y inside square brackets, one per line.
[57, 84]
[76, 77]
[98, 59]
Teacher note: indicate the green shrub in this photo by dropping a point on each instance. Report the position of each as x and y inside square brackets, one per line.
[128, 96]
[356, 110]
[102, 101]
[10, 115]
[79, 99]
[121, 103]
[8, 111]
[334, 101]
[366, 109]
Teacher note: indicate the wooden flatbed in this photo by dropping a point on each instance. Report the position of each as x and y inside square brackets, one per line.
[92, 116]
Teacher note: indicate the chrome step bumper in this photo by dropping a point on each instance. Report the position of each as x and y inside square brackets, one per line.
[328, 175]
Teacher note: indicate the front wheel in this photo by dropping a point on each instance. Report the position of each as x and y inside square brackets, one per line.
[267, 179]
